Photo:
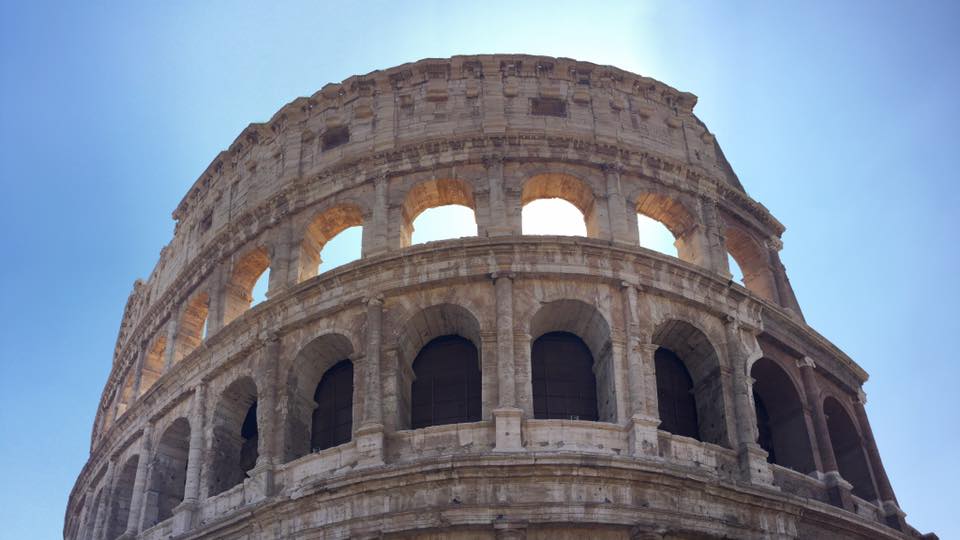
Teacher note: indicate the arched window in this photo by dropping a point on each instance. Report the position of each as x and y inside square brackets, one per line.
[446, 386]
[193, 323]
[780, 420]
[753, 261]
[576, 345]
[564, 385]
[169, 473]
[333, 417]
[334, 237]
[851, 459]
[238, 293]
[656, 236]
[126, 397]
[675, 399]
[439, 209]
[235, 436]
[320, 396]
[93, 515]
[665, 225]
[558, 204]
[122, 496]
[689, 387]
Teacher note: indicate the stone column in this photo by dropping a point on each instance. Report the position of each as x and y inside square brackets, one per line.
[617, 207]
[137, 374]
[261, 485]
[173, 326]
[100, 522]
[369, 435]
[838, 489]
[715, 257]
[84, 517]
[500, 224]
[183, 514]
[507, 416]
[284, 271]
[643, 421]
[138, 497]
[217, 294]
[375, 233]
[753, 459]
[888, 501]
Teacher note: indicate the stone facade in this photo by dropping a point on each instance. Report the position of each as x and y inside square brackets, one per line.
[204, 427]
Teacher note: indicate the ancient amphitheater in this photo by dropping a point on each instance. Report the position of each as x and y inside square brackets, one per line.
[498, 386]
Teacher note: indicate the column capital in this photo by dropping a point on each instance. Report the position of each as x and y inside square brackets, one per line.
[497, 275]
[375, 300]
[861, 396]
[492, 160]
[806, 362]
[612, 167]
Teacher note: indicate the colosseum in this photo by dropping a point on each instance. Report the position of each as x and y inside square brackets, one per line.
[503, 386]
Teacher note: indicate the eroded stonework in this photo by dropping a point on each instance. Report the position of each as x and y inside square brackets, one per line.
[711, 410]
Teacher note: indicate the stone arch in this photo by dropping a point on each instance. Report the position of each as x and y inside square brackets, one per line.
[781, 423]
[584, 321]
[417, 332]
[324, 226]
[125, 398]
[233, 445]
[238, 291]
[168, 476]
[753, 260]
[431, 194]
[72, 530]
[699, 357]
[569, 188]
[93, 515]
[153, 363]
[677, 218]
[121, 498]
[192, 326]
[848, 449]
[310, 365]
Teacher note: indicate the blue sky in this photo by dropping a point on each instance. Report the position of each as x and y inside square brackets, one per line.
[840, 117]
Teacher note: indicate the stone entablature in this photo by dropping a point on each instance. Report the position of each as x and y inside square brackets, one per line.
[537, 128]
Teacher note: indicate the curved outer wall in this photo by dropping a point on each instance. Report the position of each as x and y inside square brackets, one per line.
[492, 133]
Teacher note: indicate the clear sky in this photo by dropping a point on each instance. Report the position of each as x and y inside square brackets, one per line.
[841, 117]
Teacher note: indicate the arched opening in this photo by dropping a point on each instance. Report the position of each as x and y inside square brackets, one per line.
[665, 225]
[125, 398]
[675, 399]
[447, 209]
[193, 323]
[122, 496]
[571, 352]
[564, 386]
[334, 237]
[72, 530]
[557, 204]
[781, 423]
[736, 274]
[753, 261]
[333, 417]
[235, 436]
[238, 293]
[847, 447]
[93, 515]
[320, 397]
[444, 222]
[688, 367]
[446, 383]
[655, 236]
[440, 374]
[153, 363]
[168, 478]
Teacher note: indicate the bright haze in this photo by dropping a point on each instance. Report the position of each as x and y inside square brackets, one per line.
[841, 118]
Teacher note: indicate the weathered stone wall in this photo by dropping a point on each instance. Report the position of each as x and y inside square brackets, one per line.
[491, 133]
